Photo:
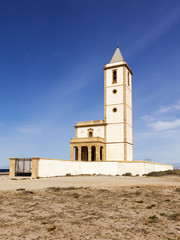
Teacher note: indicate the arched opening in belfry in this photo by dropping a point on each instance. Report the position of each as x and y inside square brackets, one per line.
[101, 153]
[90, 134]
[84, 153]
[93, 153]
[76, 153]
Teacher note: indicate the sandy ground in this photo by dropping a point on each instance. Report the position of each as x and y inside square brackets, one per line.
[97, 207]
[7, 183]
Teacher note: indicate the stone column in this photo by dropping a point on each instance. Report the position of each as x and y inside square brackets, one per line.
[12, 168]
[97, 153]
[103, 153]
[72, 152]
[79, 153]
[89, 153]
[35, 167]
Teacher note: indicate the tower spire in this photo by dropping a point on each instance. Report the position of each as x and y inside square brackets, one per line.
[117, 57]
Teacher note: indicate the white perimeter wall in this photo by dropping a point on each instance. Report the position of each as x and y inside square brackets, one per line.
[50, 168]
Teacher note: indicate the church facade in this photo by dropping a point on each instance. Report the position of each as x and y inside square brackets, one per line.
[110, 139]
[100, 146]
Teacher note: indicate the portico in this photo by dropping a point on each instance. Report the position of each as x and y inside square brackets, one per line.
[87, 149]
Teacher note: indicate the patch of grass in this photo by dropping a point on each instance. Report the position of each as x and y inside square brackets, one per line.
[128, 174]
[56, 189]
[20, 189]
[177, 189]
[163, 173]
[174, 217]
[68, 174]
[13, 178]
[51, 228]
[151, 206]
[140, 201]
[153, 219]
[167, 200]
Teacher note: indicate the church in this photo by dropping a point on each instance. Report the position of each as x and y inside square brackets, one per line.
[100, 146]
[110, 139]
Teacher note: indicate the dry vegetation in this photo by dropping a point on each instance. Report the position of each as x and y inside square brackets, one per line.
[86, 213]
[175, 172]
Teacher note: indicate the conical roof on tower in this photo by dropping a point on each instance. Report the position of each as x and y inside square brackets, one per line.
[117, 57]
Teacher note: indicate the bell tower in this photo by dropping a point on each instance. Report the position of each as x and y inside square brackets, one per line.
[118, 109]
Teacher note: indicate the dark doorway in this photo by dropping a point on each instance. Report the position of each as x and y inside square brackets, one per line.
[23, 167]
[101, 151]
[93, 153]
[76, 153]
[84, 153]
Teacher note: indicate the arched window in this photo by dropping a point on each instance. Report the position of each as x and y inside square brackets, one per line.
[90, 134]
[114, 76]
[128, 79]
[101, 153]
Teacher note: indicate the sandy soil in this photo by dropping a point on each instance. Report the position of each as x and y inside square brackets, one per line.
[78, 208]
[7, 183]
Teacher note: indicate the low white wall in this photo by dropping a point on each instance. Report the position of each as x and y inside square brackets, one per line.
[50, 168]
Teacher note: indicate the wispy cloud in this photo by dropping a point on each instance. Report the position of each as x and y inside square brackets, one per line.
[166, 109]
[28, 130]
[162, 119]
[165, 125]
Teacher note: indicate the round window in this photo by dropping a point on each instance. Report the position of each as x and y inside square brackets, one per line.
[114, 109]
[114, 91]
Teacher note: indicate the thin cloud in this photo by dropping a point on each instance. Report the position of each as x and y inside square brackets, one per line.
[166, 109]
[165, 125]
[163, 120]
[28, 130]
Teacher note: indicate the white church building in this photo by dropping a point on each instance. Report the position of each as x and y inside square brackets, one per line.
[110, 139]
[100, 146]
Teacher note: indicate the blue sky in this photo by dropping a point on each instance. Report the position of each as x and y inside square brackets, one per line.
[51, 58]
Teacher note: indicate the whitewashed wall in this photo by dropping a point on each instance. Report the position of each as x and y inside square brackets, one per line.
[98, 131]
[50, 168]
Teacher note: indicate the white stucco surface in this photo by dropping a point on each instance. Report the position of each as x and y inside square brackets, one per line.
[114, 133]
[114, 117]
[114, 98]
[50, 168]
[98, 131]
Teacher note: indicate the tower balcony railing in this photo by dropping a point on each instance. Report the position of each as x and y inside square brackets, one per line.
[87, 140]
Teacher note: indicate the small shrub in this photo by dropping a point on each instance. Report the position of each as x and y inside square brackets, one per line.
[140, 201]
[153, 219]
[20, 189]
[128, 174]
[177, 189]
[174, 216]
[51, 228]
[68, 174]
[151, 206]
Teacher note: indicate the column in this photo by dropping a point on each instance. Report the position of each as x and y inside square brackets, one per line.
[72, 152]
[12, 168]
[97, 153]
[79, 153]
[89, 153]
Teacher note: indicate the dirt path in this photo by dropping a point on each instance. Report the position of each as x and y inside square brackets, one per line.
[7, 183]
